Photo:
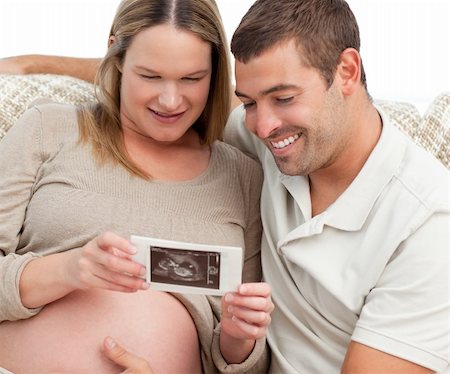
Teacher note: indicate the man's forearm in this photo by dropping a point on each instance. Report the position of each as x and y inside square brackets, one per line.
[82, 68]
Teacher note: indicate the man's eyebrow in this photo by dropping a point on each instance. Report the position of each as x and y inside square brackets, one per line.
[278, 87]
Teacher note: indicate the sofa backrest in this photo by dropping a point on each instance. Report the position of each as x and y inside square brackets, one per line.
[17, 92]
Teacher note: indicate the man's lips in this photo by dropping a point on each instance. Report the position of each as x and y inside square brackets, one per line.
[282, 143]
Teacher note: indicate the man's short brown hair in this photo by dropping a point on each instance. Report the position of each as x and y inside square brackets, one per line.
[322, 29]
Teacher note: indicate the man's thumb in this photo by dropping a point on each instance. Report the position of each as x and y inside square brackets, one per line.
[114, 351]
[117, 354]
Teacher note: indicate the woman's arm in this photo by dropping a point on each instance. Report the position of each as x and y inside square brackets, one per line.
[104, 262]
[81, 68]
[31, 279]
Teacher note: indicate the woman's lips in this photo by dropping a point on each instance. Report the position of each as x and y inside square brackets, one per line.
[167, 117]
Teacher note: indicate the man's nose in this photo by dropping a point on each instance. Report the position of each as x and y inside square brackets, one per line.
[263, 122]
[170, 98]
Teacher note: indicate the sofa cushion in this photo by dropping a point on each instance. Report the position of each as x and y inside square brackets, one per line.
[404, 115]
[17, 92]
[433, 133]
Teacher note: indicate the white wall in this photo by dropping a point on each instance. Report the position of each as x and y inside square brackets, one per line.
[405, 43]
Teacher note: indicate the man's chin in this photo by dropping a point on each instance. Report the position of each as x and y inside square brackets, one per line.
[288, 168]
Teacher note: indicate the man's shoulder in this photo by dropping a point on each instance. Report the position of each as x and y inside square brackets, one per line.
[237, 134]
[424, 176]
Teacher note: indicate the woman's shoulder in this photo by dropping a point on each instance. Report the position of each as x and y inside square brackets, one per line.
[234, 154]
[56, 118]
[52, 123]
[238, 161]
[45, 119]
[52, 110]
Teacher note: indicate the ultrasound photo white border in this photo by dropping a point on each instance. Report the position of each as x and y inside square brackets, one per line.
[230, 270]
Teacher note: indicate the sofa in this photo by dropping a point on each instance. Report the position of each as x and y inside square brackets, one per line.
[431, 131]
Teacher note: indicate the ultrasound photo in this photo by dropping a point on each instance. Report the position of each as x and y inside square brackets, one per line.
[185, 267]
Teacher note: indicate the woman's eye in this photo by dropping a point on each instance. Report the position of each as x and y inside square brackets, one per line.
[150, 77]
[191, 79]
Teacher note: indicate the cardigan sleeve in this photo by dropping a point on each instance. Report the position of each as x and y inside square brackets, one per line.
[20, 161]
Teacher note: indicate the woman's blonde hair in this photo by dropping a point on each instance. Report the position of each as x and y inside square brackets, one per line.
[100, 122]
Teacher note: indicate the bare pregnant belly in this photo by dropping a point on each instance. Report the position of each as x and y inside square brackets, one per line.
[67, 335]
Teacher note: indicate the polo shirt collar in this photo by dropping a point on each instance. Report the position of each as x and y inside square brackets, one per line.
[351, 209]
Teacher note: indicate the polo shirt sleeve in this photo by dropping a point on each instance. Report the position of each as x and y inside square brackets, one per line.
[237, 135]
[407, 313]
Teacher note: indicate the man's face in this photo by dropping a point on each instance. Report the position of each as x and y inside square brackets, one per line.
[289, 107]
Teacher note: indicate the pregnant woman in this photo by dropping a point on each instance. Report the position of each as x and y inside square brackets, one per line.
[145, 159]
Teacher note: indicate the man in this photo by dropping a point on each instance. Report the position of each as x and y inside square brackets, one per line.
[356, 217]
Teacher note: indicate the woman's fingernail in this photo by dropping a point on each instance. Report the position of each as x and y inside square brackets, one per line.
[132, 249]
[145, 286]
[228, 297]
[143, 271]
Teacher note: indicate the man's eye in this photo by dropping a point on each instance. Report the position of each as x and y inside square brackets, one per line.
[248, 105]
[285, 100]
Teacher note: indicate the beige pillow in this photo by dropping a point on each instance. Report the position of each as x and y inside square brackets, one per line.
[18, 91]
[404, 115]
[433, 132]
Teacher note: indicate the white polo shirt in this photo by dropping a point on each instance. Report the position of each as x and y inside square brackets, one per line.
[373, 268]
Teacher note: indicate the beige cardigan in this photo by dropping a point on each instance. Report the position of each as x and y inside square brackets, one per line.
[54, 197]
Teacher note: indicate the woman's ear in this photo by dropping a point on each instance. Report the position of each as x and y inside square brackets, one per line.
[349, 71]
[111, 41]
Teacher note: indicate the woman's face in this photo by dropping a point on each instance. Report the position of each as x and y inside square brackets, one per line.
[166, 77]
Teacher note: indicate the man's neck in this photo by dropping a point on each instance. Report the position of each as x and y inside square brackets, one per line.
[327, 184]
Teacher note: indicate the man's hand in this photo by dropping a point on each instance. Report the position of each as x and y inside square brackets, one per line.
[81, 68]
[14, 65]
[130, 362]
[245, 318]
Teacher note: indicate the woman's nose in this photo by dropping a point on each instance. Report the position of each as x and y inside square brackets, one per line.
[170, 98]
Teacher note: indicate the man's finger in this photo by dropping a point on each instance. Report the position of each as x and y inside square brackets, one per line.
[255, 289]
[132, 363]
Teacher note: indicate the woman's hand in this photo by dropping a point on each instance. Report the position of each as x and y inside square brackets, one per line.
[132, 363]
[106, 262]
[245, 318]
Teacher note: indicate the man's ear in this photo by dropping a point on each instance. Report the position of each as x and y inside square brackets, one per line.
[349, 71]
